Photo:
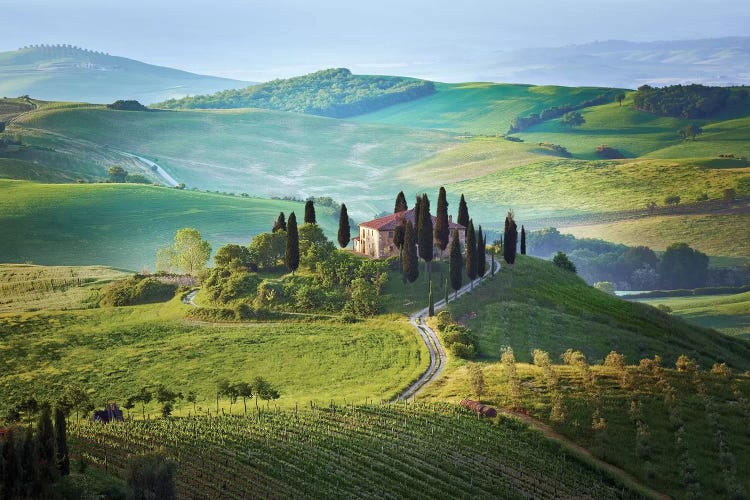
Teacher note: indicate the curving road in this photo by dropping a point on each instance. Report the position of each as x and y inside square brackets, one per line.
[163, 173]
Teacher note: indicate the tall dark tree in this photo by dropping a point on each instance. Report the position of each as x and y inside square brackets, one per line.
[523, 240]
[620, 98]
[417, 212]
[431, 303]
[481, 253]
[398, 238]
[291, 257]
[456, 263]
[400, 203]
[280, 223]
[510, 239]
[471, 253]
[442, 229]
[45, 434]
[424, 233]
[11, 466]
[410, 262]
[32, 477]
[345, 232]
[463, 212]
[310, 212]
[61, 438]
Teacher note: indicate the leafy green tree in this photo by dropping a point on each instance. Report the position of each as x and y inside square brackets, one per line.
[291, 258]
[144, 396]
[400, 203]
[151, 476]
[365, 299]
[189, 253]
[410, 263]
[222, 389]
[279, 224]
[234, 256]
[572, 119]
[424, 234]
[192, 398]
[266, 249]
[345, 231]
[463, 212]
[264, 390]
[456, 263]
[117, 174]
[619, 98]
[310, 212]
[523, 240]
[442, 229]
[476, 378]
[563, 262]
[510, 239]
[691, 131]
[61, 439]
[245, 391]
[683, 267]
[471, 253]
[166, 398]
[314, 247]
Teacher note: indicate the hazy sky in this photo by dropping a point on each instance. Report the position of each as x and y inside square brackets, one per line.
[259, 40]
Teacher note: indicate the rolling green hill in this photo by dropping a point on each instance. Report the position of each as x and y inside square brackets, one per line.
[66, 73]
[123, 225]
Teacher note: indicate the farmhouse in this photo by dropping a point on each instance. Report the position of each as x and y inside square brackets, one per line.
[376, 236]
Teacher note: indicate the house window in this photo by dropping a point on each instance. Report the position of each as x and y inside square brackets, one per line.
[390, 234]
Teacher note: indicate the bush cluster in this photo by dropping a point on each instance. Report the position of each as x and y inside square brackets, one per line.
[685, 101]
[137, 289]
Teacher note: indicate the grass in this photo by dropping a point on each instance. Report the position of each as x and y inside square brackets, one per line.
[123, 225]
[112, 352]
[721, 235]
[537, 305]
[25, 287]
[729, 314]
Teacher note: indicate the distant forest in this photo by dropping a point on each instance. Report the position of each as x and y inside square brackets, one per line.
[686, 101]
[335, 93]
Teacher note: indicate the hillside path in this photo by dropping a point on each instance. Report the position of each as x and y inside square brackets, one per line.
[437, 351]
[162, 173]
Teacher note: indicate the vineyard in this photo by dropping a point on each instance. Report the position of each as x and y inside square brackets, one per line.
[404, 450]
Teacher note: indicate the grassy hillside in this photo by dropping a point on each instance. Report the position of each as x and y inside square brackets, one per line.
[728, 314]
[123, 225]
[112, 352]
[25, 287]
[74, 74]
[478, 108]
[537, 305]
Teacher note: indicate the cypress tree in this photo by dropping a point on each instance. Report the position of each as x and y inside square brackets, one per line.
[11, 478]
[31, 480]
[424, 233]
[400, 203]
[445, 289]
[310, 212]
[345, 231]
[46, 440]
[417, 212]
[291, 258]
[279, 224]
[61, 438]
[442, 230]
[510, 239]
[492, 268]
[463, 212]
[471, 253]
[456, 263]
[431, 306]
[481, 253]
[523, 240]
[398, 238]
[410, 262]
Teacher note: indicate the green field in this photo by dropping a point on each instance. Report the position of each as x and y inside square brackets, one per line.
[123, 225]
[112, 352]
[537, 305]
[26, 287]
[728, 314]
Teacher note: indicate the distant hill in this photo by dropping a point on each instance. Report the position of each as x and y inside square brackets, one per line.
[67, 73]
[335, 93]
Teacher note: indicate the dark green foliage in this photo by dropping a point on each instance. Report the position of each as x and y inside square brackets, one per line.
[35, 473]
[523, 240]
[264, 390]
[417, 211]
[523, 122]
[310, 212]
[442, 229]
[279, 224]
[691, 131]
[510, 239]
[457, 338]
[345, 232]
[333, 92]
[620, 97]
[572, 119]
[235, 257]
[430, 303]
[61, 439]
[400, 203]
[608, 153]
[682, 101]
[151, 476]
[166, 398]
[365, 298]
[10, 461]
[135, 290]
[456, 263]
[314, 247]
[463, 212]
[224, 285]
[563, 262]
[471, 251]
[424, 231]
[410, 262]
[481, 253]
[117, 174]
[128, 105]
[266, 249]
[45, 434]
[291, 258]
[683, 267]
[398, 236]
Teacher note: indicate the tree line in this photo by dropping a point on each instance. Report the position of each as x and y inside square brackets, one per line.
[687, 101]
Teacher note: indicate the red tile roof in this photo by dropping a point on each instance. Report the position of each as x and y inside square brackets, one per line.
[390, 222]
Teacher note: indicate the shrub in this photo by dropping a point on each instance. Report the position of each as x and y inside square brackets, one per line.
[608, 153]
[541, 358]
[135, 290]
[152, 476]
[605, 286]
[443, 320]
[721, 370]
[463, 351]
[685, 364]
[615, 360]
[563, 262]
[672, 200]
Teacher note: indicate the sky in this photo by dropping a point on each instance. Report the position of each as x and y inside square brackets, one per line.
[261, 40]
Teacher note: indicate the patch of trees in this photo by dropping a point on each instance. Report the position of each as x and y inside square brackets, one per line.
[458, 339]
[128, 105]
[686, 101]
[521, 123]
[608, 153]
[552, 149]
[137, 289]
[189, 253]
[336, 93]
